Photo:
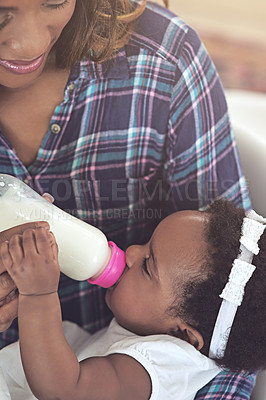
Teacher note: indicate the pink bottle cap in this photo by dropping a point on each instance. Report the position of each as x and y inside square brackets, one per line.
[114, 269]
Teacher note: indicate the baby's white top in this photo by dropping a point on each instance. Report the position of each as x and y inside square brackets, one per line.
[177, 370]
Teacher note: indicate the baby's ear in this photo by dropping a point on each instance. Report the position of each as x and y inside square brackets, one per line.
[194, 338]
[186, 332]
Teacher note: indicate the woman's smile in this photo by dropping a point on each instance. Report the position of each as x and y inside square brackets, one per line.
[21, 66]
[28, 33]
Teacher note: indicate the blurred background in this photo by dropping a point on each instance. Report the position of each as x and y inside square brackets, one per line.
[234, 32]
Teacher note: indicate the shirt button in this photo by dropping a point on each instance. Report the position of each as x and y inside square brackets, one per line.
[55, 128]
[25, 180]
[71, 87]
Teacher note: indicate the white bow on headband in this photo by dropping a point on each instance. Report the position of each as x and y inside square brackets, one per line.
[252, 228]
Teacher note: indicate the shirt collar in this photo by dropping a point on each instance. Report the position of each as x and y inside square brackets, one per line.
[115, 68]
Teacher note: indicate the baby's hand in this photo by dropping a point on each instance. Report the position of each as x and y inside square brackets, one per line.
[31, 259]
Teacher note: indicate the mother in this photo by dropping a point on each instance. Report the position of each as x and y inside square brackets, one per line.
[116, 110]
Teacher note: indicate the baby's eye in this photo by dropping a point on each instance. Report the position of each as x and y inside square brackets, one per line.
[144, 267]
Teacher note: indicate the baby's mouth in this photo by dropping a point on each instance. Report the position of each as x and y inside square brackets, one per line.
[117, 282]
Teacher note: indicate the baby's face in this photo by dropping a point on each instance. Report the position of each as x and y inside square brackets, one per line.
[140, 300]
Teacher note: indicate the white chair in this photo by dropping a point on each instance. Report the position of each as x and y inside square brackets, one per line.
[248, 115]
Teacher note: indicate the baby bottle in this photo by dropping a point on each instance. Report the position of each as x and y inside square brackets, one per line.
[84, 252]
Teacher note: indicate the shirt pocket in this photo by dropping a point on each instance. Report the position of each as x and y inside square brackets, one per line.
[124, 206]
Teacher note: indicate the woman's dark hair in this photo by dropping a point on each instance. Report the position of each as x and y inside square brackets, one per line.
[97, 29]
[246, 347]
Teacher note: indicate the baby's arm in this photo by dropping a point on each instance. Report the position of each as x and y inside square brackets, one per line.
[50, 365]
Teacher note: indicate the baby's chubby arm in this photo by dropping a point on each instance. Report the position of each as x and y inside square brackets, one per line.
[31, 261]
[8, 292]
[8, 295]
[50, 365]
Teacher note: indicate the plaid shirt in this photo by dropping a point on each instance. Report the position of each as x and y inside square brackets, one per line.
[135, 139]
[228, 386]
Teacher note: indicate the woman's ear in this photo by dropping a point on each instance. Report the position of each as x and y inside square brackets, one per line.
[186, 332]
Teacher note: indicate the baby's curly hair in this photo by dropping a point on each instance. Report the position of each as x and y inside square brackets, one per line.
[246, 347]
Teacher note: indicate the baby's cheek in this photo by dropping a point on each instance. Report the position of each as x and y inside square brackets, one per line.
[118, 301]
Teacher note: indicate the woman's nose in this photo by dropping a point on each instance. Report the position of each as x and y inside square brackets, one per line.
[29, 40]
[133, 253]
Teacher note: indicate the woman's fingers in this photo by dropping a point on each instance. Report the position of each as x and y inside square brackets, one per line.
[9, 297]
[6, 259]
[48, 197]
[6, 283]
[7, 289]
[8, 312]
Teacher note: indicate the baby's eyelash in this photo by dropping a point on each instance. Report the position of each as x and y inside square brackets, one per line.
[144, 266]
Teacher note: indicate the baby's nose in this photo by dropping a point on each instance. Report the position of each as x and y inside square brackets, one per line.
[132, 254]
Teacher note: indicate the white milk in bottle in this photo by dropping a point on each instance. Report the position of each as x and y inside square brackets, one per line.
[84, 251]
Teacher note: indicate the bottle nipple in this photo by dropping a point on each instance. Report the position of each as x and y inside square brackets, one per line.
[114, 269]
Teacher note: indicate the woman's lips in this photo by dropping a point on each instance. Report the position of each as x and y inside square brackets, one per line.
[22, 67]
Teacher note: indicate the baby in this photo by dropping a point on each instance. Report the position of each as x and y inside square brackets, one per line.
[181, 312]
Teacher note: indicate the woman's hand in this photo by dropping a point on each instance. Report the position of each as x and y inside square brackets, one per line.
[8, 301]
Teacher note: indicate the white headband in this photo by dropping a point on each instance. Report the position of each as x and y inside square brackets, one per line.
[252, 228]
